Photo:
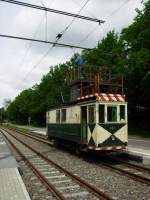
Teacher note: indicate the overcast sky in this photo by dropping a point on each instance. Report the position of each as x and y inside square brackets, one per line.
[21, 62]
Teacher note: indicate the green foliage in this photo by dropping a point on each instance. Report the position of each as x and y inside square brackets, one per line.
[36, 101]
[109, 52]
[3, 115]
[137, 39]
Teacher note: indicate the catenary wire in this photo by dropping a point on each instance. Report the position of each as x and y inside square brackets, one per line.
[28, 48]
[68, 26]
[45, 55]
[45, 20]
[30, 43]
[36, 64]
[58, 38]
[52, 10]
[95, 28]
[71, 24]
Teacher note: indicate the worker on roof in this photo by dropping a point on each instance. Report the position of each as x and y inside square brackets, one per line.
[79, 61]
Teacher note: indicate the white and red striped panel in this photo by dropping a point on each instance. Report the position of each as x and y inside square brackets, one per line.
[105, 97]
[113, 148]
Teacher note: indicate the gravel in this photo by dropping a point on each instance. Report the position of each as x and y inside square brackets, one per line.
[113, 184]
[35, 188]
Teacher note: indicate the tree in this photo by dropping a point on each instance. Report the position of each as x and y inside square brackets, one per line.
[6, 103]
[109, 52]
[35, 101]
[136, 37]
[3, 115]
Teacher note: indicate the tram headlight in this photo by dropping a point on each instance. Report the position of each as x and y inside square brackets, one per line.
[112, 137]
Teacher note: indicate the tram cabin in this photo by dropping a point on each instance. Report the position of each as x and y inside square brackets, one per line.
[95, 122]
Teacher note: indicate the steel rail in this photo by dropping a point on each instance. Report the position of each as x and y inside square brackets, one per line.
[38, 138]
[53, 10]
[43, 41]
[138, 167]
[137, 177]
[44, 139]
[48, 185]
[80, 181]
[146, 180]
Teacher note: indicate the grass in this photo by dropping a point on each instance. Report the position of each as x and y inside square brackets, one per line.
[23, 130]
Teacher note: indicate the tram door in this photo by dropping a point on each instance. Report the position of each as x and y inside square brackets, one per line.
[84, 124]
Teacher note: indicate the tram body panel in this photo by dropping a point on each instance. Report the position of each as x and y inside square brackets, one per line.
[95, 125]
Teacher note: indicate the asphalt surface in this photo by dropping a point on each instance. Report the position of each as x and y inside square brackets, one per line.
[138, 142]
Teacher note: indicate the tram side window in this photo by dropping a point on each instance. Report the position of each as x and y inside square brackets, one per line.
[63, 115]
[91, 113]
[57, 116]
[122, 113]
[101, 114]
[112, 114]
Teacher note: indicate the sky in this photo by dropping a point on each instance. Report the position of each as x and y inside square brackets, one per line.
[23, 63]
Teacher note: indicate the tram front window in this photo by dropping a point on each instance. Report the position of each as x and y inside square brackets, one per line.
[57, 116]
[122, 113]
[101, 114]
[112, 113]
[91, 113]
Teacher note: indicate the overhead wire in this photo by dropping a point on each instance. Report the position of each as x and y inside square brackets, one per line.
[41, 41]
[59, 36]
[117, 9]
[45, 20]
[55, 11]
[65, 30]
[106, 20]
[33, 6]
[30, 44]
[36, 64]
[67, 27]
[28, 48]
[85, 9]
[33, 37]
[56, 41]
[96, 27]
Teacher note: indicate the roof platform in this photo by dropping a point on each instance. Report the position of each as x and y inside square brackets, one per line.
[93, 80]
[11, 183]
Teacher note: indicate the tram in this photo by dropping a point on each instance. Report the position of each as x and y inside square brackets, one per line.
[96, 116]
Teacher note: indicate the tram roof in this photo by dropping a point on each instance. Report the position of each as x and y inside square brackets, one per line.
[101, 97]
[104, 97]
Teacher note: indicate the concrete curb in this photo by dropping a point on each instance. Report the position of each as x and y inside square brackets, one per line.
[139, 154]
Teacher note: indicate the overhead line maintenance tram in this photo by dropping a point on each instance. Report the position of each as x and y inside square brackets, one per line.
[96, 116]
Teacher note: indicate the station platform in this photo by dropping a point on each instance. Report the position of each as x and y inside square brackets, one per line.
[11, 183]
[139, 152]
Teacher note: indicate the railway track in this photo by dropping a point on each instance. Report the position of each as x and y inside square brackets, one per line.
[37, 137]
[62, 183]
[134, 171]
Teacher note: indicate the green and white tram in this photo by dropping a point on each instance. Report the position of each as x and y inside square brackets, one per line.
[95, 122]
